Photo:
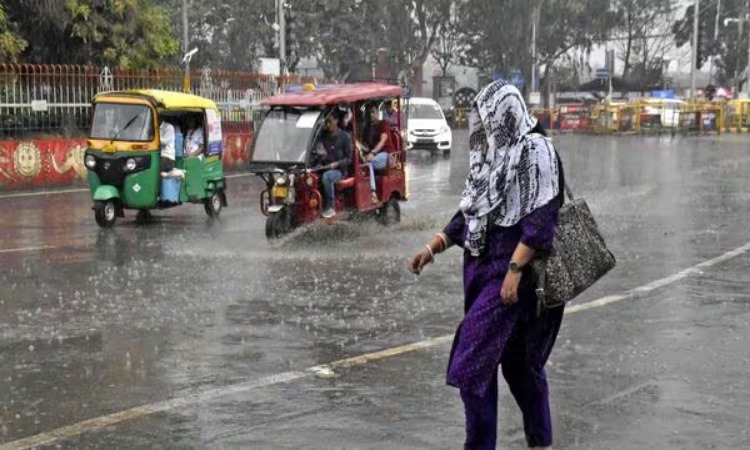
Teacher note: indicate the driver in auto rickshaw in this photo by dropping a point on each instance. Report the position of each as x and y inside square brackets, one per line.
[333, 157]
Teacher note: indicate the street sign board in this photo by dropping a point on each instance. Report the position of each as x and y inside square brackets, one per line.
[602, 74]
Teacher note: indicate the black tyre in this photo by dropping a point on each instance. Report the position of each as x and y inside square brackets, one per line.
[278, 224]
[213, 205]
[105, 213]
[390, 213]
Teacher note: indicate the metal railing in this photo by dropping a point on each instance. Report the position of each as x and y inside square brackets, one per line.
[39, 100]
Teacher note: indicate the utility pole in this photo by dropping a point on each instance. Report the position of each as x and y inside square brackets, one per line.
[740, 28]
[746, 16]
[534, 26]
[185, 44]
[694, 55]
[281, 4]
[716, 38]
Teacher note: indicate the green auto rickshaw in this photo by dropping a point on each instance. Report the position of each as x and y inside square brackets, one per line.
[126, 155]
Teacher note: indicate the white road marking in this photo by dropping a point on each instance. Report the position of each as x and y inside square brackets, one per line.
[239, 175]
[660, 283]
[41, 193]
[78, 190]
[325, 370]
[28, 249]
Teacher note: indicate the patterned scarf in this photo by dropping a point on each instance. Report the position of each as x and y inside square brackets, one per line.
[512, 171]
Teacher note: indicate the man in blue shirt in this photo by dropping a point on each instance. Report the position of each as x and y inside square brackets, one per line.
[335, 156]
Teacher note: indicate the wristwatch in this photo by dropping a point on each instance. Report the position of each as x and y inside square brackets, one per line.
[515, 267]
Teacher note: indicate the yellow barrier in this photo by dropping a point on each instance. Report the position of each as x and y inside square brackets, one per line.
[656, 116]
[702, 117]
[737, 113]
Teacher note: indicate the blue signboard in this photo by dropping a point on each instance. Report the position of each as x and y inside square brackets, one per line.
[668, 94]
[514, 77]
[602, 74]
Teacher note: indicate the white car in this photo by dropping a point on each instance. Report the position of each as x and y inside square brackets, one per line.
[661, 113]
[427, 127]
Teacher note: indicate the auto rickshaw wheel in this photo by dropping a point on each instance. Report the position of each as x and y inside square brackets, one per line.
[213, 205]
[278, 224]
[105, 213]
[390, 213]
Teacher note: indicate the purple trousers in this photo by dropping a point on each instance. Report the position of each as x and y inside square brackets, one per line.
[522, 363]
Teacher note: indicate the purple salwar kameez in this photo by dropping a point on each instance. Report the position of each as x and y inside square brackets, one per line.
[493, 334]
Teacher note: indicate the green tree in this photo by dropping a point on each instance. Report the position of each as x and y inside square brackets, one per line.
[502, 42]
[448, 46]
[412, 29]
[644, 26]
[122, 33]
[343, 35]
[229, 34]
[729, 52]
[11, 45]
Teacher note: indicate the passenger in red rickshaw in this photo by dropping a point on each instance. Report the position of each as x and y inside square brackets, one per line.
[380, 145]
[333, 156]
[392, 116]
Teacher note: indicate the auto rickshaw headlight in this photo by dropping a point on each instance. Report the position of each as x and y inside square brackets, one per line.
[310, 181]
[90, 161]
[281, 179]
[130, 164]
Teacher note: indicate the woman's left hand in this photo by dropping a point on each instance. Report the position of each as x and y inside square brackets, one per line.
[509, 291]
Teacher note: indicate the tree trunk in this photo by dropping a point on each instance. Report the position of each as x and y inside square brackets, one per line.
[629, 48]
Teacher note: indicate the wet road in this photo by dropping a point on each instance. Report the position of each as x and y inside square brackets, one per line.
[186, 334]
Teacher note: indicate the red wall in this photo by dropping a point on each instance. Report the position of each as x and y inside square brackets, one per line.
[49, 163]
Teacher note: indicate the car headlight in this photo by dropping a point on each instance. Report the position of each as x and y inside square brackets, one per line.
[130, 164]
[444, 129]
[90, 161]
[280, 179]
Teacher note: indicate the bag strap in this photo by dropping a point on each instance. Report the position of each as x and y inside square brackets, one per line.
[541, 279]
[561, 182]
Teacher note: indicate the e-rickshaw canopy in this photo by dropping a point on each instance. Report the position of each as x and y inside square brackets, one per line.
[335, 94]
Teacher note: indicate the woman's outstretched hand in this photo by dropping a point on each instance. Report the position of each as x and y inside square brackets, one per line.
[420, 260]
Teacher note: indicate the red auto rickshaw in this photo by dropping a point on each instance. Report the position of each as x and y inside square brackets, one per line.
[283, 149]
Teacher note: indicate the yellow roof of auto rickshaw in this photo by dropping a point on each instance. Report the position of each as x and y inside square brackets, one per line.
[163, 99]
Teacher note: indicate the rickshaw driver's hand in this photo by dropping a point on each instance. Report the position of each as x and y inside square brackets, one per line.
[369, 157]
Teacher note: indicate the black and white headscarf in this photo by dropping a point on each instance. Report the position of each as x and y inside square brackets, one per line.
[512, 171]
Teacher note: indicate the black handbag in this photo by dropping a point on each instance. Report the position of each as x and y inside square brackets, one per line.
[579, 256]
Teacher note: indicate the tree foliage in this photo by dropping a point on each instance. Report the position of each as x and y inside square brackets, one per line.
[448, 46]
[123, 33]
[644, 26]
[11, 44]
[729, 52]
[502, 42]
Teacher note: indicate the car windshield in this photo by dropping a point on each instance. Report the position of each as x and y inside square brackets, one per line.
[122, 122]
[425, 112]
[285, 135]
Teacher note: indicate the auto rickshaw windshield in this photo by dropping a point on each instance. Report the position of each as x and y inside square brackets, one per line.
[285, 135]
[122, 122]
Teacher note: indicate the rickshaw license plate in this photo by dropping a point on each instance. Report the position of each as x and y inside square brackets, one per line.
[279, 191]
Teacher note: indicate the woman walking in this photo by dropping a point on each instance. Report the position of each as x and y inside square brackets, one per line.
[508, 212]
